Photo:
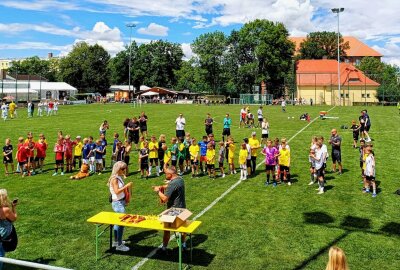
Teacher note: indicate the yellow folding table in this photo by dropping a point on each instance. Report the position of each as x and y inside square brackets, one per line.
[111, 218]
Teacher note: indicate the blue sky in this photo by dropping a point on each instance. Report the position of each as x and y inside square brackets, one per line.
[36, 27]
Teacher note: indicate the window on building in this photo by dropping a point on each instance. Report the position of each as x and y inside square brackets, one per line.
[358, 61]
[367, 95]
[344, 95]
[354, 79]
[48, 95]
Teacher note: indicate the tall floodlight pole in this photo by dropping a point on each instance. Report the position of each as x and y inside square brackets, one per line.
[338, 10]
[130, 25]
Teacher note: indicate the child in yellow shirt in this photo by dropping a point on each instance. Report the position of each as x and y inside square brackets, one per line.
[210, 155]
[194, 150]
[243, 161]
[284, 162]
[231, 154]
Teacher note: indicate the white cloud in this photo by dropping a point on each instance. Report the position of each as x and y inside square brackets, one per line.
[187, 51]
[154, 29]
[32, 46]
[40, 5]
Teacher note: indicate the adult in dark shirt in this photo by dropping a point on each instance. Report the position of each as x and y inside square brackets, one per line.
[174, 196]
[367, 123]
[336, 142]
[208, 122]
[143, 124]
[133, 131]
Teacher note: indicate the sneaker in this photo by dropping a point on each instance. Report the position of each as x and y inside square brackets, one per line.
[266, 183]
[115, 243]
[149, 175]
[274, 184]
[339, 173]
[317, 188]
[54, 174]
[99, 173]
[158, 174]
[122, 247]
[223, 176]
[289, 183]
[311, 183]
[321, 191]
[373, 195]
[62, 173]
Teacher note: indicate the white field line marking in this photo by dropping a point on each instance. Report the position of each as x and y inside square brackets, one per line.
[211, 205]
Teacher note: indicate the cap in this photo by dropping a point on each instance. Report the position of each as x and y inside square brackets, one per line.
[78, 137]
[253, 133]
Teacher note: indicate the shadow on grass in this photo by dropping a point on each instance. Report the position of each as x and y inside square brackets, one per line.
[349, 224]
[200, 256]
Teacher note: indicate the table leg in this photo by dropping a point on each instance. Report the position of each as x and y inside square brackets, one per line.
[111, 231]
[191, 248]
[97, 240]
[180, 250]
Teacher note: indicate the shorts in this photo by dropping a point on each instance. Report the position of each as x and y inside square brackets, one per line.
[283, 168]
[39, 158]
[99, 161]
[68, 156]
[362, 128]
[336, 157]
[22, 163]
[59, 162]
[7, 161]
[210, 166]
[31, 159]
[320, 172]
[181, 160]
[180, 133]
[143, 129]
[269, 167]
[264, 136]
[153, 160]
[260, 119]
[230, 160]
[144, 166]
[133, 137]
[203, 159]
[173, 163]
[367, 129]
[220, 164]
[85, 161]
[226, 132]
[209, 130]
[91, 159]
[126, 159]
[370, 178]
[248, 163]
[194, 163]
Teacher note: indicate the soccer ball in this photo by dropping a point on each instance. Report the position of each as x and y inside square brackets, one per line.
[292, 117]
[288, 117]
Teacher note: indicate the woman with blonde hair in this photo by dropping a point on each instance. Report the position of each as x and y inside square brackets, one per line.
[118, 189]
[8, 214]
[337, 259]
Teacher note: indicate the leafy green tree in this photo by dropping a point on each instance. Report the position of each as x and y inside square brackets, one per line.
[211, 50]
[36, 66]
[86, 68]
[192, 77]
[386, 75]
[318, 45]
[259, 51]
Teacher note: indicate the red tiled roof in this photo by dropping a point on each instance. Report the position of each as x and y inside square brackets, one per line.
[324, 72]
[357, 48]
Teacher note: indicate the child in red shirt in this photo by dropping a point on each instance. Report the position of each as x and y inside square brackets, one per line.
[69, 145]
[21, 156]
[59, 150]
[41, 148]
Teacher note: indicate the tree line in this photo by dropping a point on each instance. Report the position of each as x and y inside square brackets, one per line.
[258, 52]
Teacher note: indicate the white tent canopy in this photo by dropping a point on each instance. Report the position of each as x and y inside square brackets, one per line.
[150, 93]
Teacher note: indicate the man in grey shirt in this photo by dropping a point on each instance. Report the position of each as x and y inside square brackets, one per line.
[174, 196]
[336, 142]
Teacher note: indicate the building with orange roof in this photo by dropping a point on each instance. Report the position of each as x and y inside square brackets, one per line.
[318, 80]
[357, 51]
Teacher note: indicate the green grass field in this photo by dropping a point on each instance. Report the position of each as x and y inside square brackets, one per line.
[252, 227]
